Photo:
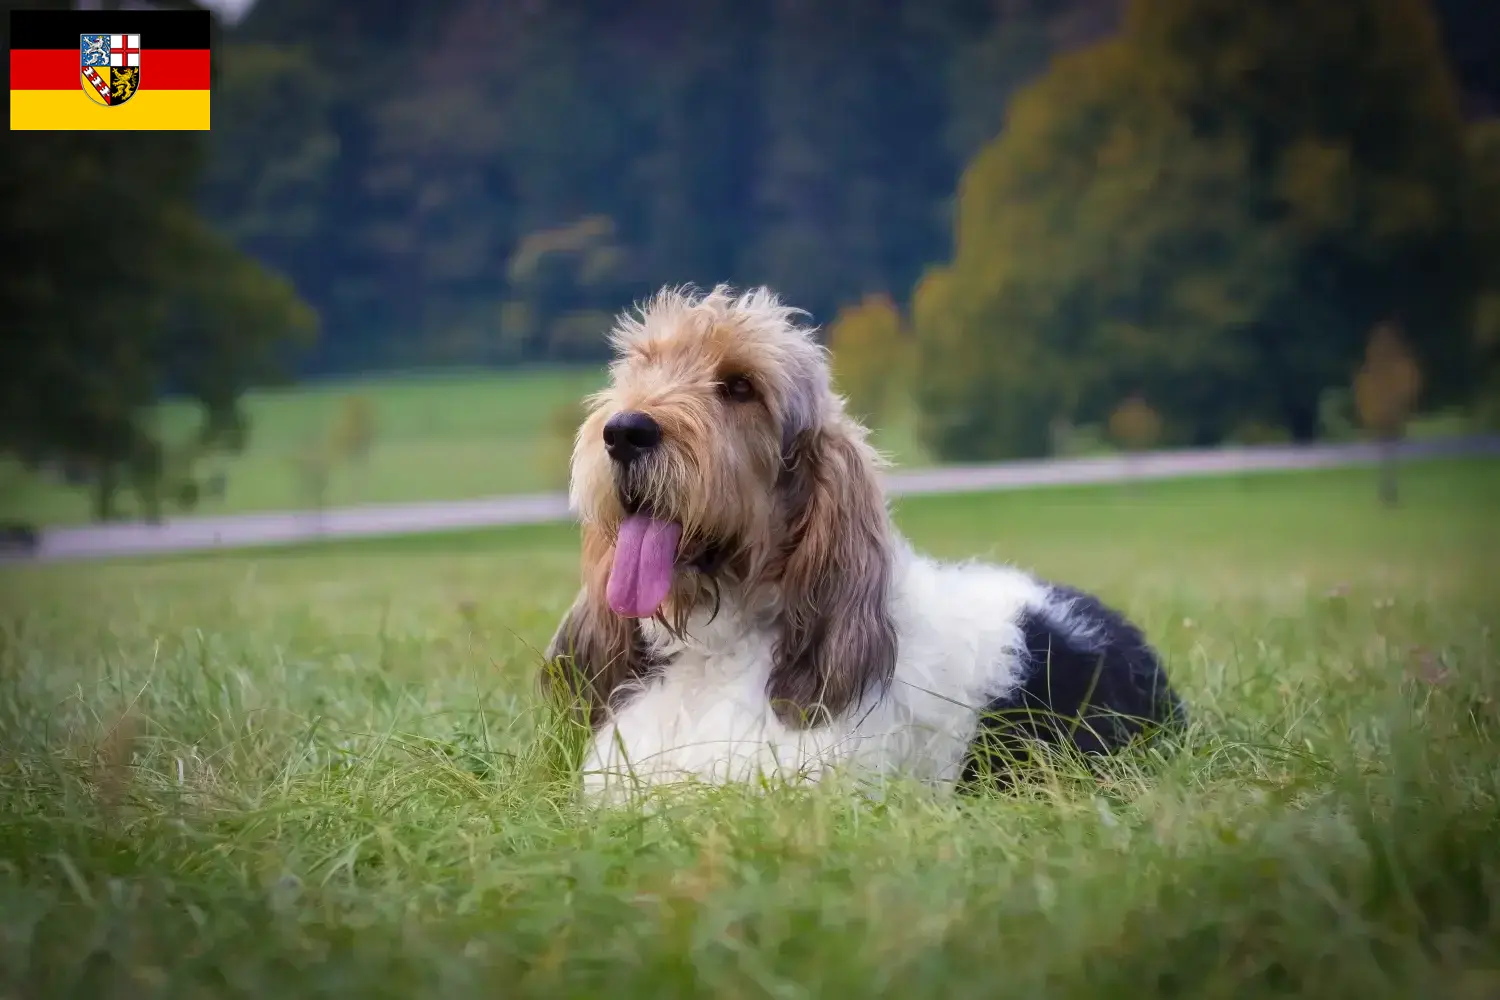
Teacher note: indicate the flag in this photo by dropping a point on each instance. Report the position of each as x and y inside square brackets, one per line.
[135, 70]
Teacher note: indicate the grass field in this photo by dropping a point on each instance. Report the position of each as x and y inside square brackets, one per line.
[438, 437]
[451, 437]
[321, 772]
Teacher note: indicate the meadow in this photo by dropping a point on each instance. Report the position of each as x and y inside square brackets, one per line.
[324, 772]
[437, 437]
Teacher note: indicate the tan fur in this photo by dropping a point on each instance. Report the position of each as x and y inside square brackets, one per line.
[785, 485]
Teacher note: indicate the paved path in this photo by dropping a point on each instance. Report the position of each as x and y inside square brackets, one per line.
[290, 527]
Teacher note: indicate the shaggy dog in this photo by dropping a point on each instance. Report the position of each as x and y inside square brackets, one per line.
[749, 612]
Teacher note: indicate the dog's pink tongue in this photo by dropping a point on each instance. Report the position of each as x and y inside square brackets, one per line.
[642, 574]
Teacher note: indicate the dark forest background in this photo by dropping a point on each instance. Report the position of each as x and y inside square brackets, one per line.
[449, 180]
[1052, 205]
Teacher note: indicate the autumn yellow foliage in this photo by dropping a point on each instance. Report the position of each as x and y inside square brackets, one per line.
[353, 432]
[871, 356]
[1387, 384]
[1134, 425]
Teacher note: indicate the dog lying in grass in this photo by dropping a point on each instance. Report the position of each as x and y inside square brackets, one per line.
[748, 611]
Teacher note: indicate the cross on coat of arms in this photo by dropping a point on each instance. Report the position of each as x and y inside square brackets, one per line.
[110, 67]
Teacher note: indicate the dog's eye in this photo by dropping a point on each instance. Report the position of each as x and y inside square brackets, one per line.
[738, 388]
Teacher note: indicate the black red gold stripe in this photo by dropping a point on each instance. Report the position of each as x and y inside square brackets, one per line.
[46, 81]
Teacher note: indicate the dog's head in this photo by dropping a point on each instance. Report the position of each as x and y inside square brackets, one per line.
[718, 457]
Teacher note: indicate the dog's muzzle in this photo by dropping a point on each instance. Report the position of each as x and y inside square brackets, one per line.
[630, 435]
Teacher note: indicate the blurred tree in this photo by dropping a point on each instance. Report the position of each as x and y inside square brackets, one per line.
[299, 173]
[354, 429]
[555, 271]
[854, 159]
[1213, 208]
[555, 450]
[124, 294]
[690, 152]
[228, 328]
[272, 184]
[442, 213]
[1484, 214]
[1487, 339]
[312, 467]
[723, 138]
[979, 398]
[1472, 33]
[870, 356]
[726, 139]
[1071, 283]
[1134, 425]
[999, 46]
[1337, 420]
[1385, 393]
[579, 335]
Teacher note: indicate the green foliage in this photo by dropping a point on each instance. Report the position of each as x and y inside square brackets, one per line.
[999, 48]
[441, 437]
[565, 280]
[979, 398]
[871, 357]
[578, 334]
[850, 175]
[1258, 432]
[101, 325]
[751, 152]
[725, 139]
[232, 322]
[1337, 420]
[1212, 208]
[124, 293]
[1484, 213]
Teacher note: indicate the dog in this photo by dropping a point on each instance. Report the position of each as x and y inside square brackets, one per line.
[748, 612]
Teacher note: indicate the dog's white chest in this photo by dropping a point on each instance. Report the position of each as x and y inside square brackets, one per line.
[707, 718]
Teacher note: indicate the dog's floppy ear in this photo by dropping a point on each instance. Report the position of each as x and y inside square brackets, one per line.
[594, 650]
[837, 638]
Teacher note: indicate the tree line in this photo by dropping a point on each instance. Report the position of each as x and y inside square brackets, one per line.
[119, 289]
[1212, 210]
[461, 181]
[1044, 209]
[1202, 204]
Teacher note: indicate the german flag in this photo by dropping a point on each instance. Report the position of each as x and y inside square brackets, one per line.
[133, 70]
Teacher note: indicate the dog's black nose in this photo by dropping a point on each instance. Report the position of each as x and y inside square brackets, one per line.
[630, 435]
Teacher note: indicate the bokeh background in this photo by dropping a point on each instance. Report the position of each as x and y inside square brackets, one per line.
[1027, 227]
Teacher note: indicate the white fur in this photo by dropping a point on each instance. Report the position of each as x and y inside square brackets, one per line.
[706, 716]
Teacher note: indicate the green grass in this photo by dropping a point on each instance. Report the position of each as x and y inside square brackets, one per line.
[438, 437]
[450, 436]
[322, 772]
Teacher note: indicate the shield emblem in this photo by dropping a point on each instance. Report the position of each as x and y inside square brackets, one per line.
[110, 67]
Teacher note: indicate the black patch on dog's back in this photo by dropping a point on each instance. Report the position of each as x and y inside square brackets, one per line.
[1090, 679]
